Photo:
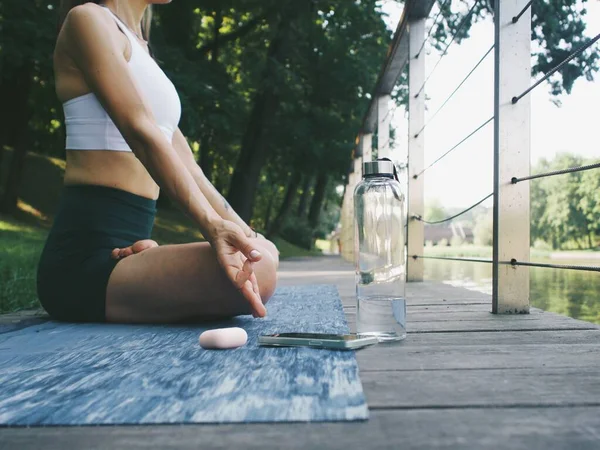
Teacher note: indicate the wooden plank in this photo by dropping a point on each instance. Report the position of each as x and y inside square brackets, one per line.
[470, 388]
[474, 322]
[348, 298]
[498, 429]
[440, 309]
[447, 309]
[506, 338]
[396, 357]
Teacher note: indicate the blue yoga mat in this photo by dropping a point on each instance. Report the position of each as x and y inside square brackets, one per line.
[92, 374]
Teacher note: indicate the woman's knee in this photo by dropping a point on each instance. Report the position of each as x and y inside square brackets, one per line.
[266, 246]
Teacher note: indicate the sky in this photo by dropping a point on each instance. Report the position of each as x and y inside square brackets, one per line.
[465, 175]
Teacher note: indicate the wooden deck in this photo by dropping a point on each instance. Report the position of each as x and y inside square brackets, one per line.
[463, 378]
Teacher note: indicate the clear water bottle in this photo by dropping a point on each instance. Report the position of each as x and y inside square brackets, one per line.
[379, 253]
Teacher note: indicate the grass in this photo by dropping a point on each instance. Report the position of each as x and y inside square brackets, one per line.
[289, 250]
[22, 237]
[20, 248]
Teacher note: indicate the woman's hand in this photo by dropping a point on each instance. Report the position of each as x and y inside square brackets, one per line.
[236, 255]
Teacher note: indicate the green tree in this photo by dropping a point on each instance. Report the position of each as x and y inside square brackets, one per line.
[557, 27]
[273, 91]
[564, 208]
[434, 210]
[589, 204]
[483, 231]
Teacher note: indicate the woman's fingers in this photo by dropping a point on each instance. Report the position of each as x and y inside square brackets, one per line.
[236, 254]
[258, 309]
[242, 243]
[255, 285]
[242, 279]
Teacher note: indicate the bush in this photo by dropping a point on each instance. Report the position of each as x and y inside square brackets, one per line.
[297, 231]
[483, 234]
[542, 245]
[456, 241]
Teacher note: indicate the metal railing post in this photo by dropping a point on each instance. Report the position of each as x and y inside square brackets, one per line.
[416, 149]
[510, 285]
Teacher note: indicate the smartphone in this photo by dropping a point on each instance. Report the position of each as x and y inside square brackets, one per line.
[317, 340]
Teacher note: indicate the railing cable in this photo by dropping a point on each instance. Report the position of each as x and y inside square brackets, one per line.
[558, 67]
[420, 219]
[514, 262]
[433, 25]
[455, 90]
[518, 16]
[447, 258]
[460, 27]
[515, 180]
[453, 148]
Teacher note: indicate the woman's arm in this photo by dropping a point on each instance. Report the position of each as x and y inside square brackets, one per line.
[213, 196]
[96, 51]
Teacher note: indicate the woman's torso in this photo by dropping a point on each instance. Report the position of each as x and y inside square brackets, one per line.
[104, 166]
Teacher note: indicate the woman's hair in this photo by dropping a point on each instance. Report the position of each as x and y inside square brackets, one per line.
[68, 5]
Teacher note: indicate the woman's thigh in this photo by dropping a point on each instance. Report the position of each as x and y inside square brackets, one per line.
[174, 283]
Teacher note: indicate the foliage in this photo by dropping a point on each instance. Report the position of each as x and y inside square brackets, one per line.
[434, 210]
[483, 230]
[20, 247]
[557, 29]
[564, 209]
[298, 232]
[271, 90]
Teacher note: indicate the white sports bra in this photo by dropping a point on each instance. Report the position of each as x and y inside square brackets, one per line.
[88, 125]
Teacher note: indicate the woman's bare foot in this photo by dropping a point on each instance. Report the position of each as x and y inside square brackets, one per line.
[139, 246]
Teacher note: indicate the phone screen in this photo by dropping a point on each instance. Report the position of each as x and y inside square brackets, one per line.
[332, 337]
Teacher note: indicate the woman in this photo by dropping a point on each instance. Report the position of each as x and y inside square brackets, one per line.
[123, 144]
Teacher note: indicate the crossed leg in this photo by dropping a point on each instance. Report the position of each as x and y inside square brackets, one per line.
[174, 283]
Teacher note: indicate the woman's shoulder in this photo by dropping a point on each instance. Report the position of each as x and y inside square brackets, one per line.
[87, 19]
[88, 29]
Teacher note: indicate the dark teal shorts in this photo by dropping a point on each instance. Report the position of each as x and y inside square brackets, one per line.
[75, 265]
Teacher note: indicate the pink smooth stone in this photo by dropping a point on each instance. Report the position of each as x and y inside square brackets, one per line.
[223, 338]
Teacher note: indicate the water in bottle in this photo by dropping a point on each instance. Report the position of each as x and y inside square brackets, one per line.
[380, 255]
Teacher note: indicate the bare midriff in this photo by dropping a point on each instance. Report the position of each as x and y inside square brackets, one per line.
[119, 170]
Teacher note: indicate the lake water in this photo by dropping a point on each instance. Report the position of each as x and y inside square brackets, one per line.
[569, 292]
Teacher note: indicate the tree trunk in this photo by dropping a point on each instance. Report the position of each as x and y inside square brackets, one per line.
[286, 205]
[253, 154]
[317, 200]
[304, 196]
[2, 152]
[21, 113]
[590, 243]
[206, 158]
[267, 219]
